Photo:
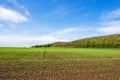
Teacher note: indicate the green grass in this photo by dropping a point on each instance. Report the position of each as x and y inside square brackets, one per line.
[60, 64]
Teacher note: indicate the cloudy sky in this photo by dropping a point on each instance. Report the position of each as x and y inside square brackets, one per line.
[25, 23]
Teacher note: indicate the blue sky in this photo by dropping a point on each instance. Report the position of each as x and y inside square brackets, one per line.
[30, 22]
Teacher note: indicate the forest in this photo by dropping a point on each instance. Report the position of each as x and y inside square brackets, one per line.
[107, 41]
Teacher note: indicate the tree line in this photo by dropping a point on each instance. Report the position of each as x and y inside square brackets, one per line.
[109, 41]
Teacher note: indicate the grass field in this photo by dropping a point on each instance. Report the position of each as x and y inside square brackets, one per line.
[59, 64]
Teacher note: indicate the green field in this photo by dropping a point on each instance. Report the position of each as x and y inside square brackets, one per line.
[59, 64]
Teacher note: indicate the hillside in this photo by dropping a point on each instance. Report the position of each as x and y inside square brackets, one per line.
[108, 41]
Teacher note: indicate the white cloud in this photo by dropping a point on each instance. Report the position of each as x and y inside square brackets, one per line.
[26, 12]
[111, 22]
[67, 30]
[1, 25]
[113, 15]
[22, 7]
[110, 30]
[5, 30]
[27, 41]
[22, 40]
[11, 15]
[14, 2]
